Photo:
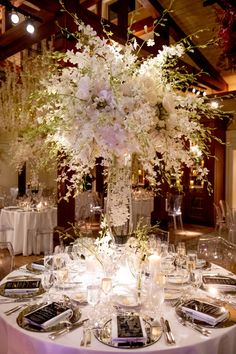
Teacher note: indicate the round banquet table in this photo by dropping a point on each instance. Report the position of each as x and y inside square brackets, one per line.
[15, 340]
[25, 224]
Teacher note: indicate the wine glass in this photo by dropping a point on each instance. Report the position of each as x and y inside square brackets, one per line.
[180, 254]
[106, 285]
[191, 260]
[93, 298]
[47, 282]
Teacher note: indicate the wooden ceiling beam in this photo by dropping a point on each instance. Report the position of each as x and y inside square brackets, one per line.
[177, 33]
[20, 40]
[15, 39]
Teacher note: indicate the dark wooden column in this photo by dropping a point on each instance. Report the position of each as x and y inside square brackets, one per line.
[22, 181]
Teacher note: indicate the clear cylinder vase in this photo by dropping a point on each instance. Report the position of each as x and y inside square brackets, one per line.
[119, 203]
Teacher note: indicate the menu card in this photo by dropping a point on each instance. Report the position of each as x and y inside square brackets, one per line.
[220, 282]
[204, 311]
[128, 328]
[48, 315]
[22, 286]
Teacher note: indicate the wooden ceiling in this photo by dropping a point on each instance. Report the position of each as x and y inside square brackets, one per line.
[187, 17]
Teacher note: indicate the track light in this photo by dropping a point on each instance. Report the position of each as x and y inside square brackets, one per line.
[30, 28]
[14, 17]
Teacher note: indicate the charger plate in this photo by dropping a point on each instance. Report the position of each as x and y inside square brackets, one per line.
[225, 323]
[56, 327]
[104, 335]
[20, 296]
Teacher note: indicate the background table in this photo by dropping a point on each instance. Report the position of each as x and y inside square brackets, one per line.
[27, 227]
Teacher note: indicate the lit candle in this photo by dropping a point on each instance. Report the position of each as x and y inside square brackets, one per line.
[154, 264]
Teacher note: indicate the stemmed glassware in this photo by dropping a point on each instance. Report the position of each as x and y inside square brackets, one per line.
[47, 282]
[93, 298]
[180, 255]
[106, 285]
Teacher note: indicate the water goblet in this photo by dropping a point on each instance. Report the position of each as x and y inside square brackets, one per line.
[48, 261]
[196, 278]
[156, 298]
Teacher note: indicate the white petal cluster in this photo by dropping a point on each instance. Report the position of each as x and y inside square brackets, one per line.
[106, 103]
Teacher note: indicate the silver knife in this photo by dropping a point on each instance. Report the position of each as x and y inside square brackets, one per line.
[68, 329]
[169, 331]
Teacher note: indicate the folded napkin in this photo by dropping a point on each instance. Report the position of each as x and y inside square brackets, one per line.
[38, 265]
[205, 311]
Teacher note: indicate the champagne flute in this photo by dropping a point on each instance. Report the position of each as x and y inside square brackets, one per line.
[106, 285]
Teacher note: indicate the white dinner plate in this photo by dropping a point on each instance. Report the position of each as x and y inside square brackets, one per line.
[172, 294]
[79, 297]
[125, 301]
[178, 279]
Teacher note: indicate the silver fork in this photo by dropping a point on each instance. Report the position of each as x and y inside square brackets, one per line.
[14, 309]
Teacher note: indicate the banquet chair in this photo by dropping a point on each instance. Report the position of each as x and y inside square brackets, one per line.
[43, 240]
[161, 235]
[173, 208]
[3, 232]
[216, 249]
[220, 223]
[6, 259]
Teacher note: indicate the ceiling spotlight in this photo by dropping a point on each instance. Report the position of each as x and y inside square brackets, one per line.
[29, 26]
[204, 93]
[198, 93]
[193, 90]
[14, 17]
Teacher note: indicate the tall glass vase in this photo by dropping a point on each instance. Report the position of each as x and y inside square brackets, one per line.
[119, 204]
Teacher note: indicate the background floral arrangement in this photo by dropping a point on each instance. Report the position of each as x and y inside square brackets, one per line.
[103, 100]
[227, 35]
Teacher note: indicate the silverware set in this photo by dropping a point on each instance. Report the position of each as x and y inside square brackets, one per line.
[167, 331]
[14, 309]
[86, 337]
[194, 326]
[69, 328]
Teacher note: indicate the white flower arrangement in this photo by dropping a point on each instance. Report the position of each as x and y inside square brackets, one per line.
[105, 101]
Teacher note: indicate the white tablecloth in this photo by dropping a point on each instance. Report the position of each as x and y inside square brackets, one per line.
[15, 340]
[25, 226]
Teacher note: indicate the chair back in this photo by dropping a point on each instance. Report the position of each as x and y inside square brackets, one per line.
[160, 234]
[6, 259]
[174, 203]
[216, 249]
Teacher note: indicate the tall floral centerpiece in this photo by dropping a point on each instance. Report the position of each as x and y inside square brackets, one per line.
[103, 100]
